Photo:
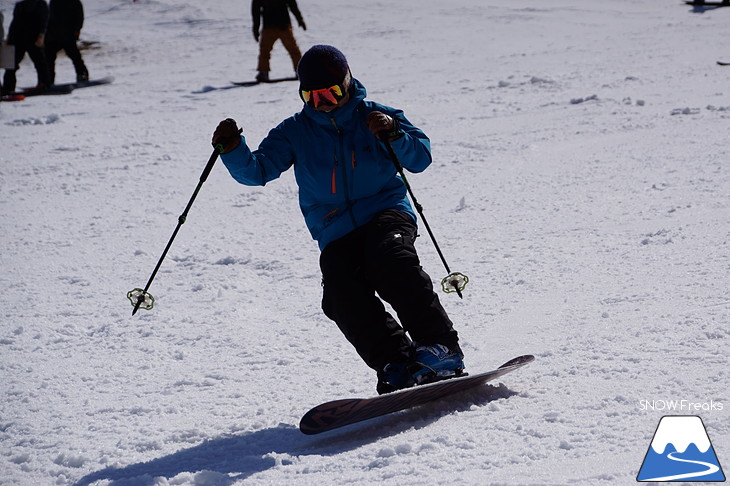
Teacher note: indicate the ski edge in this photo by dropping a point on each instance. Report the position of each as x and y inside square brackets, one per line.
[519, 361]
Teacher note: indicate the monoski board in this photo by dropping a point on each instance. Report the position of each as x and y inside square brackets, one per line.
[338, 413]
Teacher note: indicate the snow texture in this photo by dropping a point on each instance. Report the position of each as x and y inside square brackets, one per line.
[581, 178]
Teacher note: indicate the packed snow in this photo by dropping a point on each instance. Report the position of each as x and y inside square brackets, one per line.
[581, 179]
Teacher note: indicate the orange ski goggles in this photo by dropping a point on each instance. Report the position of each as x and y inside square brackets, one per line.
[326, 96]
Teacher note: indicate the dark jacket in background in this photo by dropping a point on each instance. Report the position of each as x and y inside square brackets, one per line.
[30, 19]
[65, 20]
[275, 13]
[64, 26]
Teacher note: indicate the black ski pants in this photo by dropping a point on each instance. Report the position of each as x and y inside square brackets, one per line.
[380, 257]
[71, 49]
[37, 55]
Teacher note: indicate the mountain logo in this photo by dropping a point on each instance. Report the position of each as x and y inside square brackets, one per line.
[681, 451]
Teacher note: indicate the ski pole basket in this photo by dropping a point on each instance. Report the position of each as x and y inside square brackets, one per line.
[454, 282]
[141, 299]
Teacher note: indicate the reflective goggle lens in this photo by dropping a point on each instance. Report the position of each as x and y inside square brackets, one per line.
[325, 96]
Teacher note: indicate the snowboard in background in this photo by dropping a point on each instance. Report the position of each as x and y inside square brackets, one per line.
[240, 84]
[79, 84]
[56, 89]
[271, 81]
[701, 3]
[89, 83]
[26, 92]
[12, 97]
[338, 413]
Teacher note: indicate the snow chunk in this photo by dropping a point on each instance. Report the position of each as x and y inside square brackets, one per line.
[386, 452]
[70, 460]
[685, 111]
[48, 120]
[20, 458]
[577, 101]
[403, 449]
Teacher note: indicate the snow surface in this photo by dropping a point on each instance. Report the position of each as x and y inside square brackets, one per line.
[581, 179]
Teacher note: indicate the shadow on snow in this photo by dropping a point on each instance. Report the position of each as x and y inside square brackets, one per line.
[241, 456]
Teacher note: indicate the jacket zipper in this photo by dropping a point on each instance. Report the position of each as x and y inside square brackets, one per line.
[346, 189]
[353, 163]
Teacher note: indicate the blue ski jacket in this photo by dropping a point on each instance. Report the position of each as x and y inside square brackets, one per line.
[344, 172]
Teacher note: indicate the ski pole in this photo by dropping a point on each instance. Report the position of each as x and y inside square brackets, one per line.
[138, 297]
[454, 281]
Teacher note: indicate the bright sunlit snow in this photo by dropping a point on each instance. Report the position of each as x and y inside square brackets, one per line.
[581, 179]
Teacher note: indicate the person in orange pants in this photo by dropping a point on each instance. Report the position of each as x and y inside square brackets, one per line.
[276, 26]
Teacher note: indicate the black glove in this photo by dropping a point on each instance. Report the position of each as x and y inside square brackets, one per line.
[383, 126]
[227, 135]
[302, 24]
[256, 34]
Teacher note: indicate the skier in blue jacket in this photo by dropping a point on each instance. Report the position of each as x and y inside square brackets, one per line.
[356, 207]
